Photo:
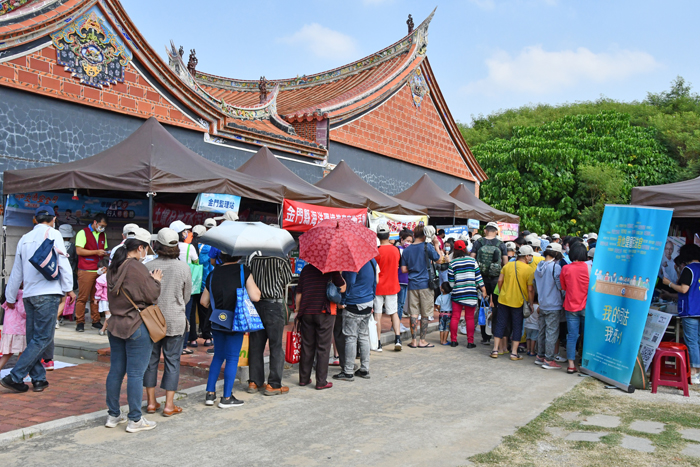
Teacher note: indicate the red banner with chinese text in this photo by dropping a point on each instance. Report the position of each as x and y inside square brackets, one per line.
[165, 213]
[300, 217]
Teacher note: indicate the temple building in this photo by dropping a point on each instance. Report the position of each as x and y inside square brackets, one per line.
[77, 77]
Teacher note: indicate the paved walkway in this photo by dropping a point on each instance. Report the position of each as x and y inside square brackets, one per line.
[422, 407]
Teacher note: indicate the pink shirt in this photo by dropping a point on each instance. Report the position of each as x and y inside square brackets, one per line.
[101, 287]
[15, 320]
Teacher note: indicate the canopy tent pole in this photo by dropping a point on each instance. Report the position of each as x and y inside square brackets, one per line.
[453, 216]
[150, 196]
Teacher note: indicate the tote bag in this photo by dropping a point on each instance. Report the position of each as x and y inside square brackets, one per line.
[292, 353]
[244, 318]
[373, 337]
[197, 270]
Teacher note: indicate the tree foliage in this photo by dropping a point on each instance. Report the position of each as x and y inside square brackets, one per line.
[543, 160]
[546, 174]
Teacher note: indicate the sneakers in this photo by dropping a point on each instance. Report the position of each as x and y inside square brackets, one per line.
[486, 342]
[695, 379]
[379, 347]
[344, 376]
[141, 425]
[551, 365]
[80, 327]
[101, 332]
[397, 344]
[362, 374]
[539, 361]
[210, 351]
[559, 359]
[210, 399]
[39, 386]
[227, 402]
[8, 383]
[58, 325]
[471, 346]
[112, 422]
[270, 391]
[48, 366]
[252, 387]
[403, 328]
[97, 326]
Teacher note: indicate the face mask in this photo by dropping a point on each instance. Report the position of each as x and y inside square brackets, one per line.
[100, 228]
[407, 244]
[529, 261]
[101, 271]
[447, 248]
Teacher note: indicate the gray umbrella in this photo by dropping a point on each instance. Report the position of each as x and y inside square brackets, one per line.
[244, 238]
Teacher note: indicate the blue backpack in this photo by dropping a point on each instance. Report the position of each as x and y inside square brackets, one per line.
[45, 259]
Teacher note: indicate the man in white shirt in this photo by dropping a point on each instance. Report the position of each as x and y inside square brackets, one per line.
[41, 298]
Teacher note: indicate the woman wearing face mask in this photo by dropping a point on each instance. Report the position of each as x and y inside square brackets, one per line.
[188, 255]
[129, 341]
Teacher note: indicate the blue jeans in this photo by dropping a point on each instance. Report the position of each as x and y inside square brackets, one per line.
[128, 356]
[41, 324]
[402, 298]
[227, 346]
[691, 336]
[574, 326]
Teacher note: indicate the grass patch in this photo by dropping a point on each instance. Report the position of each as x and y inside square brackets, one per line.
[532, 444]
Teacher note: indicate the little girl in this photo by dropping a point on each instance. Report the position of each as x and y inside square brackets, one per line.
[13, 338]
[443, 305]
[101, 291]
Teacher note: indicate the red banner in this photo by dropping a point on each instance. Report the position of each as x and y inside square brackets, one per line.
[165, 213]
[300, 217]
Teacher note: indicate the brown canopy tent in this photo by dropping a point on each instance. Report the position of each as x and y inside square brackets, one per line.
[486, 212]
[682, 197]
[345, 180]
[149, 160]
[426, 192]
[265, 166]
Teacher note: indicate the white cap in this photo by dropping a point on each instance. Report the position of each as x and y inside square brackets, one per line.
[228, 216]
[143, 235]
[525, 250]
[167, 237]
[179, 226]
[199, 230]
[556, 236]
[209, 223]
[383, 229]
[593, 235]
[66, 231]
[491, 224]
[129, 229]
[510, 246]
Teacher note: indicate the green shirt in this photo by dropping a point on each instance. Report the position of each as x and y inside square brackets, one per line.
[81, 240]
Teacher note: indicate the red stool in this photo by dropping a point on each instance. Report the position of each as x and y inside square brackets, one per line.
[663, 374]
[675, 346]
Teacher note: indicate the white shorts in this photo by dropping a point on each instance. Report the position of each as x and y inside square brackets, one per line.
[387, 303]
[104, 306]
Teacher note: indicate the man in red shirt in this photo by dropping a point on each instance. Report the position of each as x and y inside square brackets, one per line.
[386, 298]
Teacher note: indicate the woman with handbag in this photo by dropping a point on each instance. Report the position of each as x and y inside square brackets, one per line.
[130, 343]
[465, 278]
[175, 288]
[316, 317]
[515, 280]
[221, 293]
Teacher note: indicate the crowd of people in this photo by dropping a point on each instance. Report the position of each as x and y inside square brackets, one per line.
[530, 299]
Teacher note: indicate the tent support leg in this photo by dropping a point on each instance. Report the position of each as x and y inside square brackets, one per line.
[150, 196]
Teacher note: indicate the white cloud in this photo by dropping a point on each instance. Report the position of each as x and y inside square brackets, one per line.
[538, 71]
[323, 42]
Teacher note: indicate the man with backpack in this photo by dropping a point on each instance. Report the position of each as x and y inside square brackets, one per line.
[41, 298]
[492, 255]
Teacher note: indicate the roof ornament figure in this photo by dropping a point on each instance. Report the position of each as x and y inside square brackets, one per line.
[181, 51]
[192, 63]
[262, 85]
[409, 22]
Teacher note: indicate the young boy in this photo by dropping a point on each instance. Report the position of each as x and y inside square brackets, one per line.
[443, 305]
[532, 329]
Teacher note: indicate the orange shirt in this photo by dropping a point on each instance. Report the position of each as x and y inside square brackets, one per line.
[388, 262]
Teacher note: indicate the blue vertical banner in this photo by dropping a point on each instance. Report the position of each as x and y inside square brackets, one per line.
[627, 259]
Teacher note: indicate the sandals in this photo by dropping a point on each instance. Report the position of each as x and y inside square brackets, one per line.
[515, 357]
[571, 370]
[187, 352]
[151, 409]
[412, 346]
[429, 346]
[169, 413]
[494, 354]
[208, 343]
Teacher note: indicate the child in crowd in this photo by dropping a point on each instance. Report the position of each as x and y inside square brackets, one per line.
[13, 340]
[443, 305]
[532, 328]
[101, 291]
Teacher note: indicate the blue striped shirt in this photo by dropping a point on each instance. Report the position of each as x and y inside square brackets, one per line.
[464, 277]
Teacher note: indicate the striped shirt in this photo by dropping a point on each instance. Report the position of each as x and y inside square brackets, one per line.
[271, 275]
[464, 277]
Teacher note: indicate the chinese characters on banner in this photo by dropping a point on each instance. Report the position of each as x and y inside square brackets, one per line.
[396, 222]
[216, 202]
[628, 254]
[165, 213]
[654, 330]
[300, 217]
[508, 232]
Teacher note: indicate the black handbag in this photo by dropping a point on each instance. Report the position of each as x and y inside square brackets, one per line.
[433, 280]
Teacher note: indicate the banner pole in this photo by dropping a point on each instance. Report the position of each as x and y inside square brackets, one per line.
[628, 388]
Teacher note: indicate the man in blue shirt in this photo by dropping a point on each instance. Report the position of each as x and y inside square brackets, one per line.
[41, 298]
[420, 297]
[357, 303]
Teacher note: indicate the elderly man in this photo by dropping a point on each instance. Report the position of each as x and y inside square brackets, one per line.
[41, 298]
[91, 246]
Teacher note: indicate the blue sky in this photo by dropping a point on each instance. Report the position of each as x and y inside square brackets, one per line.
[487, 54]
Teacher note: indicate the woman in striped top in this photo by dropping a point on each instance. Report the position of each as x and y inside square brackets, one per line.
[464, 277]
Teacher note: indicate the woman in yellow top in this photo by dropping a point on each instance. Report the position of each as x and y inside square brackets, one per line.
[515, 285]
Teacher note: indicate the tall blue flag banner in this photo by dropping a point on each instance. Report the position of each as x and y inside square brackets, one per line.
[627, 259]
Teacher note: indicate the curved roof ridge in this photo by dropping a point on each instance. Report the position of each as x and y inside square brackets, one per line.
[403, 45]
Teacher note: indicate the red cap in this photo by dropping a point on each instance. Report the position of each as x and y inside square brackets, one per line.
[460, 245]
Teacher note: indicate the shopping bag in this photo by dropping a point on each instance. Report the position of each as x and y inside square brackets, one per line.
[373, 337]
[483, 311]
[197, 270]
[69, 307]
[243, 354]
[292, 353]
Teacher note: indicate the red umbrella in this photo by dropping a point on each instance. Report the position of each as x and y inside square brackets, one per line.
[338, 245]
